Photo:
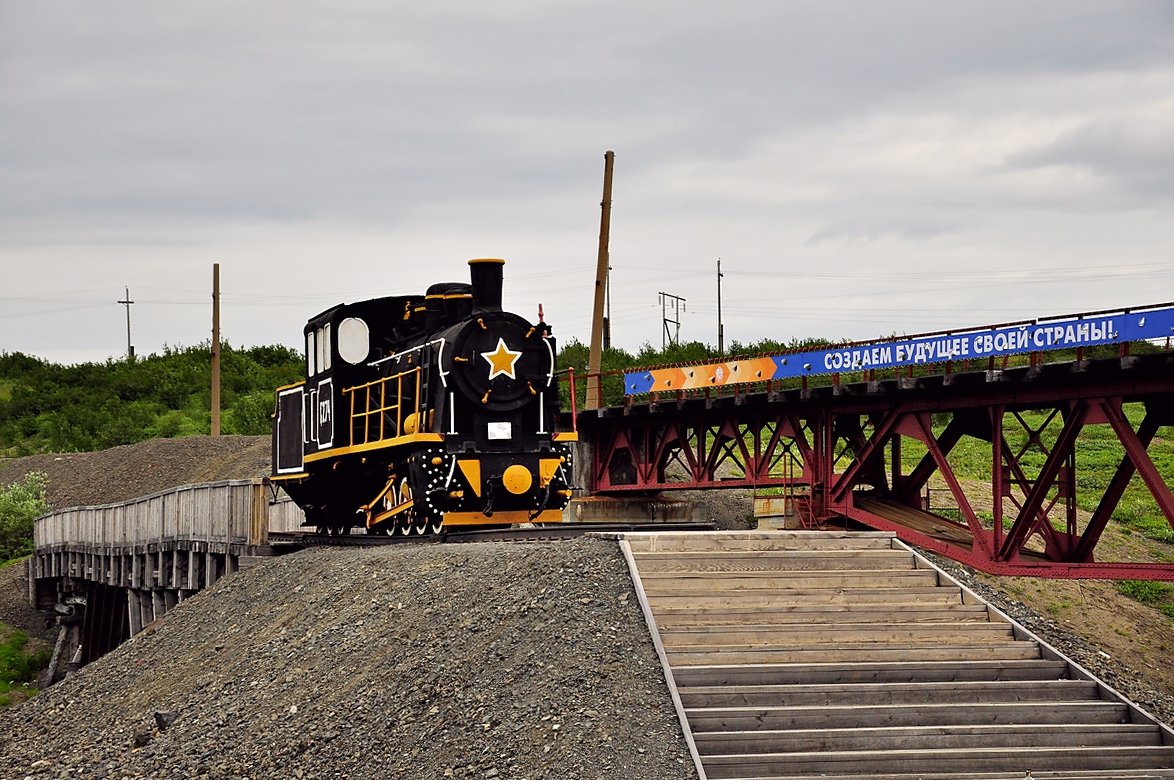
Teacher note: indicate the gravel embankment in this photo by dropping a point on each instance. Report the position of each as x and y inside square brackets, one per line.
[134, 470]
[533, 663]
[1114, 672]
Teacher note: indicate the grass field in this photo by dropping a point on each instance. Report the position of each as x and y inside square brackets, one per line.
[19, 664]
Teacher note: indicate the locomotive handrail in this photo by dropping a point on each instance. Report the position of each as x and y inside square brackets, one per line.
[383, 408]
[407, 351]
[570, 372]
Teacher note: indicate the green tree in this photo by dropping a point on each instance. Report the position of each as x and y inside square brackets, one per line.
[251, 414]
[46, 407]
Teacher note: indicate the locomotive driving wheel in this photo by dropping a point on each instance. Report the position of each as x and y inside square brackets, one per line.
[403, 522]
[410, 520]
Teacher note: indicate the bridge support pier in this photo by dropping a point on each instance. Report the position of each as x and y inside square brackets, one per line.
[105, 596]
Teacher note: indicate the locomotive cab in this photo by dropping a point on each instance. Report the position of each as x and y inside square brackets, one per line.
[339, 343]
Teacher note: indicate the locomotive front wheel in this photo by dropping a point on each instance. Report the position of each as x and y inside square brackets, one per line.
[406, 519]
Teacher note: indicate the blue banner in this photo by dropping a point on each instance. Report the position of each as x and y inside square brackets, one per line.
[968, 344]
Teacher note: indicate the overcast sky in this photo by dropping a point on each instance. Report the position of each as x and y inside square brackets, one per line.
[861, 168]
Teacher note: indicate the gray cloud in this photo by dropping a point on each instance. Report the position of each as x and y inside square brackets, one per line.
[1136, 157]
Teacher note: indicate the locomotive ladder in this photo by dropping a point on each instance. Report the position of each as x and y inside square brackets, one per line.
[847, 655]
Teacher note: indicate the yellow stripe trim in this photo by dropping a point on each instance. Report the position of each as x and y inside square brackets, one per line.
[472, 471]
[415, 438]
[547, 468]
[565, 436]
[279, 477]
[496, 260]
[502, 518]
[290, 387]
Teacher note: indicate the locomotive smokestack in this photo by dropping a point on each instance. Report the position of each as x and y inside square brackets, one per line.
[485, 273]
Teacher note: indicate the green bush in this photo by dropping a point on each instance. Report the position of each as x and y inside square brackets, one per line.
[20, 504]
[251, 414]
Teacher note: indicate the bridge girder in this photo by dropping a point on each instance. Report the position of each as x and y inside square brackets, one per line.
[845, 451]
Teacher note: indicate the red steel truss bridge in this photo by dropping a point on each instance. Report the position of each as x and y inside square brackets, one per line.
[1012, 469]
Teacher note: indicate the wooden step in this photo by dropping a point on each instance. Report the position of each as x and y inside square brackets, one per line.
[842, 694]
[802, 578]
[686, 582]
[690, 541]
[922, 738]
[1036, 774]
[934, 762]
[774, 560]
[682, 617]
[852, 653]
[871, 672]
[800, 655]
[752, 636]
[697, 595]
[847, 717]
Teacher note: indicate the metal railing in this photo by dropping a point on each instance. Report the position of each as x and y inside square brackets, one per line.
[379, 406]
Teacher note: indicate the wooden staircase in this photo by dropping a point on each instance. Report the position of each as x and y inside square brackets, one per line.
[845, 655]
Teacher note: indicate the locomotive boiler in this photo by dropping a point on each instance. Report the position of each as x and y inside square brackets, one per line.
[425, 412]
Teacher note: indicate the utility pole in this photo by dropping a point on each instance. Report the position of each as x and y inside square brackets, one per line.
[130, 350]
[678, 306]
[595, 355]
[607, 316]
[216, 349]
[721, 350]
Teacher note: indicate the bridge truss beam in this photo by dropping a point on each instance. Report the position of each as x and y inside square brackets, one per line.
[992, 468]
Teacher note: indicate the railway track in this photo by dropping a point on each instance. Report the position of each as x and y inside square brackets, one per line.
[289, 541]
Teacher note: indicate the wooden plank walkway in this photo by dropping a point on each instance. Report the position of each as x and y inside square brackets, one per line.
[845, 655]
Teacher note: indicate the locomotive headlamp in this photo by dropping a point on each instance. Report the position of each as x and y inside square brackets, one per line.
[517, 479]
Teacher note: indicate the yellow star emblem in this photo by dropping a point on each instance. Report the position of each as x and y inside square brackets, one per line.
[501, 360]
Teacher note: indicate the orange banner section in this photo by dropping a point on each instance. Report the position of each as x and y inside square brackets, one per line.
[667, 380]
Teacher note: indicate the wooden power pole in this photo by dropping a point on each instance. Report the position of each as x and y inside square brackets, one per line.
[130, 350]
[595, 356]
[216, 349]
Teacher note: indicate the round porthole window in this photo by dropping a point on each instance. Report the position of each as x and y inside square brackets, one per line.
[354, 340]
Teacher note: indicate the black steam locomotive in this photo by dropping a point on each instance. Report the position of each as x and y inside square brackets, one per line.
[419, 412]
